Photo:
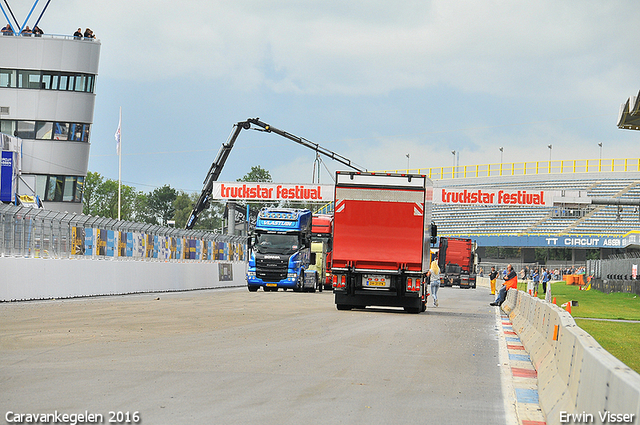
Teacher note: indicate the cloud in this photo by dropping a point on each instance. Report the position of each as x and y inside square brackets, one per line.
[362, 47]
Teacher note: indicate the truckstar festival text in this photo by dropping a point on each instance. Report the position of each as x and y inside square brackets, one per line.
[500, 197]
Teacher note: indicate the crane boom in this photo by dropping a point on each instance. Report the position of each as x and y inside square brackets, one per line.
[225, 150]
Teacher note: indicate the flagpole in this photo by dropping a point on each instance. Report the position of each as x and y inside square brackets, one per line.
[119, 163]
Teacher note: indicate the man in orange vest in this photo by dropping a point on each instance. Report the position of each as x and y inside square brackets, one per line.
[510, 281]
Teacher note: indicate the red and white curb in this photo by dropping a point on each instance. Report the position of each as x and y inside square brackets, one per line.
[519, 377]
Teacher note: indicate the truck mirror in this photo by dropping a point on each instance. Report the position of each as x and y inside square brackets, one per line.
[434, 233]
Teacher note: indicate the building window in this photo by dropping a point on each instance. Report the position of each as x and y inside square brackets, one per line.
[28, 79]
[60, 131]
[47, 80]
[26, 130]
[60, 188]
[43, 130]
[46, 130]
[79, 189]
[8, 78]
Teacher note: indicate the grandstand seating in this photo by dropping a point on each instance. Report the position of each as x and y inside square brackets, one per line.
[460, 220]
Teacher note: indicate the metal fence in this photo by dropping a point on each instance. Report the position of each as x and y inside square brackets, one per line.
[572, 166]
[39, 233]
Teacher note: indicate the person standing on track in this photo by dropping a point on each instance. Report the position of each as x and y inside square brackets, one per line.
[493, 276]
[434, 278]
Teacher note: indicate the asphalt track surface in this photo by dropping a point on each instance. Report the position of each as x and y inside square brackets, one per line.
[234, 357]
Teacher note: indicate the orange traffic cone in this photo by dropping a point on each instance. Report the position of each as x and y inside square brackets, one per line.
[569, 307]
[536, 294]
[554, 300]
[530, 292]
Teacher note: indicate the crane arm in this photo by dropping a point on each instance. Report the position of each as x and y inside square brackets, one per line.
[304, 142]
[225, 150]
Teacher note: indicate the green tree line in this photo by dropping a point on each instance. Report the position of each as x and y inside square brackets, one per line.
[159, 206]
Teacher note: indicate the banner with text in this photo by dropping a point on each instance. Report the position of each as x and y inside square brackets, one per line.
[493, 197]
[272, 191]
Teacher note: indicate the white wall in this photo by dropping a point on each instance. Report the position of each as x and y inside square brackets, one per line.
[35, 278]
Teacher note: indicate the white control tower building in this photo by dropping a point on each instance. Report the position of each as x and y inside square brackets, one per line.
[47, 97]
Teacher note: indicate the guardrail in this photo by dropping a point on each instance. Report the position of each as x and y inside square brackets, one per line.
[576, 376]
[572, 166]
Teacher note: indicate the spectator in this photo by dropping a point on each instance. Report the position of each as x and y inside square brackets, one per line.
[536, 280]
[546, 276]
[510, 282]
[7, 30]
[26, 32]
[37, 31]
[78, 34]
[89, 34]
[493, 276]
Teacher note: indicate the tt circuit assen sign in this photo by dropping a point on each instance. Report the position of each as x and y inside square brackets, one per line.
[272, 192]
[492, 197]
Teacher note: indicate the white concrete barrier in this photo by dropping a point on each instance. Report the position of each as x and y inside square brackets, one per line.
[35, 278]
[576, 376]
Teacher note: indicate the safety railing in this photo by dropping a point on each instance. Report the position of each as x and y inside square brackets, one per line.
[572, 166]
[39, 233]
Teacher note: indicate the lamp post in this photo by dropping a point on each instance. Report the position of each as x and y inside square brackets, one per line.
[407, 163]
[453, 168]
[600, 144]
[501, 152]
[549, 146]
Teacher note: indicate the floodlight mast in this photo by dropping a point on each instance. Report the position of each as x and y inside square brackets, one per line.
[216, 168]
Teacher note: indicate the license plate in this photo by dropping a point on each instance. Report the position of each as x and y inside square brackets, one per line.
[272, 284]
[375, 281]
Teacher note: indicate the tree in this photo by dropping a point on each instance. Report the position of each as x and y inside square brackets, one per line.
[101, 198]
[91, 183]
[257, 174]
[208, 219]
[160, 204]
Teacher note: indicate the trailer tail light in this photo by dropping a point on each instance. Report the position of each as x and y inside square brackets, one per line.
[343, 281]
[410, 284]
[334, 281]
[339, 281]
[417, 285]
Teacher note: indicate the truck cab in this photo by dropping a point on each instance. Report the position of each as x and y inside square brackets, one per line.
[281, 251]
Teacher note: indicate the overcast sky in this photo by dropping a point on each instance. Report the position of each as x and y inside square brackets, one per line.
[371, 80]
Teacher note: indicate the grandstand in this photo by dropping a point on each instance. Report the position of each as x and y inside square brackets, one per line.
[600, 220]
[577, 227]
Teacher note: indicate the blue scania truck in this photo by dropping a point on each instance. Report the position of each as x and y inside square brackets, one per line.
[281, 251]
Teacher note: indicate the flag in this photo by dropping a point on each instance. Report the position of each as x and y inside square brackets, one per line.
[117, 135]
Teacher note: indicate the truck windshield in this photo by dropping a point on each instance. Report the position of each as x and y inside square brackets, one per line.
[268, 243]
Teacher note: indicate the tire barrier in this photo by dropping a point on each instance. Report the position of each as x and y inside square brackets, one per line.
[578, 380]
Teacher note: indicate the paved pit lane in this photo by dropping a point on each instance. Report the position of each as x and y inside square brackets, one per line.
[234, 357]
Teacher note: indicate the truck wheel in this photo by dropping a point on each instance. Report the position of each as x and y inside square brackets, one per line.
[343, 307]
[252, 288]
[413, 310]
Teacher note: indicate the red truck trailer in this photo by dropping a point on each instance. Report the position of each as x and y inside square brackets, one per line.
[322, 245]
[381, 236]
[456, 259]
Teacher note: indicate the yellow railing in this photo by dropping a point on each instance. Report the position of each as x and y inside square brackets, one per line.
[570, 166]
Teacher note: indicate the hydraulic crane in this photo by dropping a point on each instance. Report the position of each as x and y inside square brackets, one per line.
[225, 150]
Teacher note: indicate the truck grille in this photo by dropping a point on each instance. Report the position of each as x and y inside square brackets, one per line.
[271, 270]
